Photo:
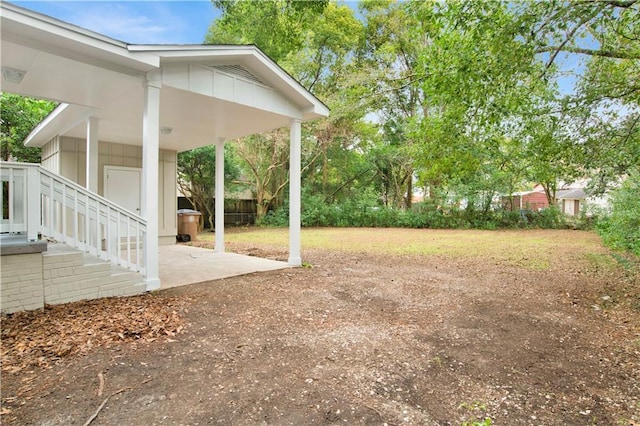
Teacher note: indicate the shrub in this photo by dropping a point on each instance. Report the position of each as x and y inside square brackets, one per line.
[621, 230]
[363, 211]
[276, 218]
[549, 218]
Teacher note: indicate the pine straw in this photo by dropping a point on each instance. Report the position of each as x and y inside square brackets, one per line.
[45, 336]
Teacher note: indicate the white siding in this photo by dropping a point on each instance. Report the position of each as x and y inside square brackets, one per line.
[73, 159]
[201, 81]
[223, 87]
[244, 92]
[72, 166]
[50, 155]
[228, 86]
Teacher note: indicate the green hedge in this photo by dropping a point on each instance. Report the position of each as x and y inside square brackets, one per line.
[363, 213]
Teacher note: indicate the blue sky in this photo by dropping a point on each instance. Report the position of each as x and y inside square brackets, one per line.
[137, 22]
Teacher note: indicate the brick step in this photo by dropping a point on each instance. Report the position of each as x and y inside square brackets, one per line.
[71, 275]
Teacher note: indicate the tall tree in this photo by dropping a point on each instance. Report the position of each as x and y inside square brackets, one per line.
[266, 160]
[387, 59]
[313, 42]
[479, 79]
[277, 27]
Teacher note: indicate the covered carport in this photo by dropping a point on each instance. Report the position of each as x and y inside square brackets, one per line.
[172, 98]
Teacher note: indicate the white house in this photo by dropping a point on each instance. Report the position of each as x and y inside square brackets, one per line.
[108, 170]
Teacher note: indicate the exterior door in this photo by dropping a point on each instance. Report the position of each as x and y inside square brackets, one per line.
[122, 186]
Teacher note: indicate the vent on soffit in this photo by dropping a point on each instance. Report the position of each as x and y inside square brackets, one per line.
[237, 70]
[13, 75]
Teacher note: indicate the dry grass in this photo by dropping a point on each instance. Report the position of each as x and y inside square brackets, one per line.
[532, 249]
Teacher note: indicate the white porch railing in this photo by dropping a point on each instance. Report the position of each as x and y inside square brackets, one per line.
[36, 201]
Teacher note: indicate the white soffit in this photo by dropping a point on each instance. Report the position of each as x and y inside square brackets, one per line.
[26, 28]
[93, 75]
[62, 119]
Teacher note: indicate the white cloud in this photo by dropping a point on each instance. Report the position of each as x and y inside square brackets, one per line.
[124, 24]
[137, 22]
[146, 25]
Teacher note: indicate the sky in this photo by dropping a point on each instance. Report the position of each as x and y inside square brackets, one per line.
[135, 22]
[173, 22]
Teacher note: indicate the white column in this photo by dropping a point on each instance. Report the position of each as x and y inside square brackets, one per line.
[294, 194]
[33, 203]
[219, 207]
[91, 175]
[150, 156]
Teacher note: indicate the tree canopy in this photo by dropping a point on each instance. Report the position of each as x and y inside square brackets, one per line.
[18, 116]
[458, 101]
[464, 100]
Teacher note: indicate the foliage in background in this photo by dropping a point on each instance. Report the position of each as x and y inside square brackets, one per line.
[603, 39]
[18, 116]
[621, 230]
[365, 211]
[266, 161]
[314, 42]
[465, 100]
[196, 177]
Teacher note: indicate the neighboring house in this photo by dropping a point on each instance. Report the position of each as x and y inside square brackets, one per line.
[109, 149]
[530, 200]
[577, 202]
[571, 202]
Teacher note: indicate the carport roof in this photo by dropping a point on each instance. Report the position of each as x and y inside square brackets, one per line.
[90, 74]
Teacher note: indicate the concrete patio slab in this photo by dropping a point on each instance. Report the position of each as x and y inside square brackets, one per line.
[182, 265]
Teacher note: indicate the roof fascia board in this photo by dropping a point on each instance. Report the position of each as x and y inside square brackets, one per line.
[37, 30]
[27, 14]
[180, 49]
[318, 106]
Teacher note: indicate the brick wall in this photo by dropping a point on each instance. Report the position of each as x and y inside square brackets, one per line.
[31, 280]
[22, 283]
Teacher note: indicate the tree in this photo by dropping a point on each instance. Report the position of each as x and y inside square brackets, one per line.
[277, 27]
[313, 41]
[325, 65]
[549, 154]
[196, 177]
[243, 22]
[18, 116]
[604, 28]
[387, 60]
[463, 96]
[479, 82]
[266, 160]
[605, 103]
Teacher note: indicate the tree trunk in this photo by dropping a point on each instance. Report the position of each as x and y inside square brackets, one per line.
[550, 192]
[409, 202]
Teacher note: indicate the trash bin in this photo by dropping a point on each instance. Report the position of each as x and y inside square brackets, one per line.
[188, 221]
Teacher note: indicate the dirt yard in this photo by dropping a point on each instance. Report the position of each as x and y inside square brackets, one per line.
[452, 328]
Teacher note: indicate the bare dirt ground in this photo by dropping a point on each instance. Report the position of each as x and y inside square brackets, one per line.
[359, 338]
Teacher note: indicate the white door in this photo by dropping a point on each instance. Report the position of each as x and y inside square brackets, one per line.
[122, 186]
